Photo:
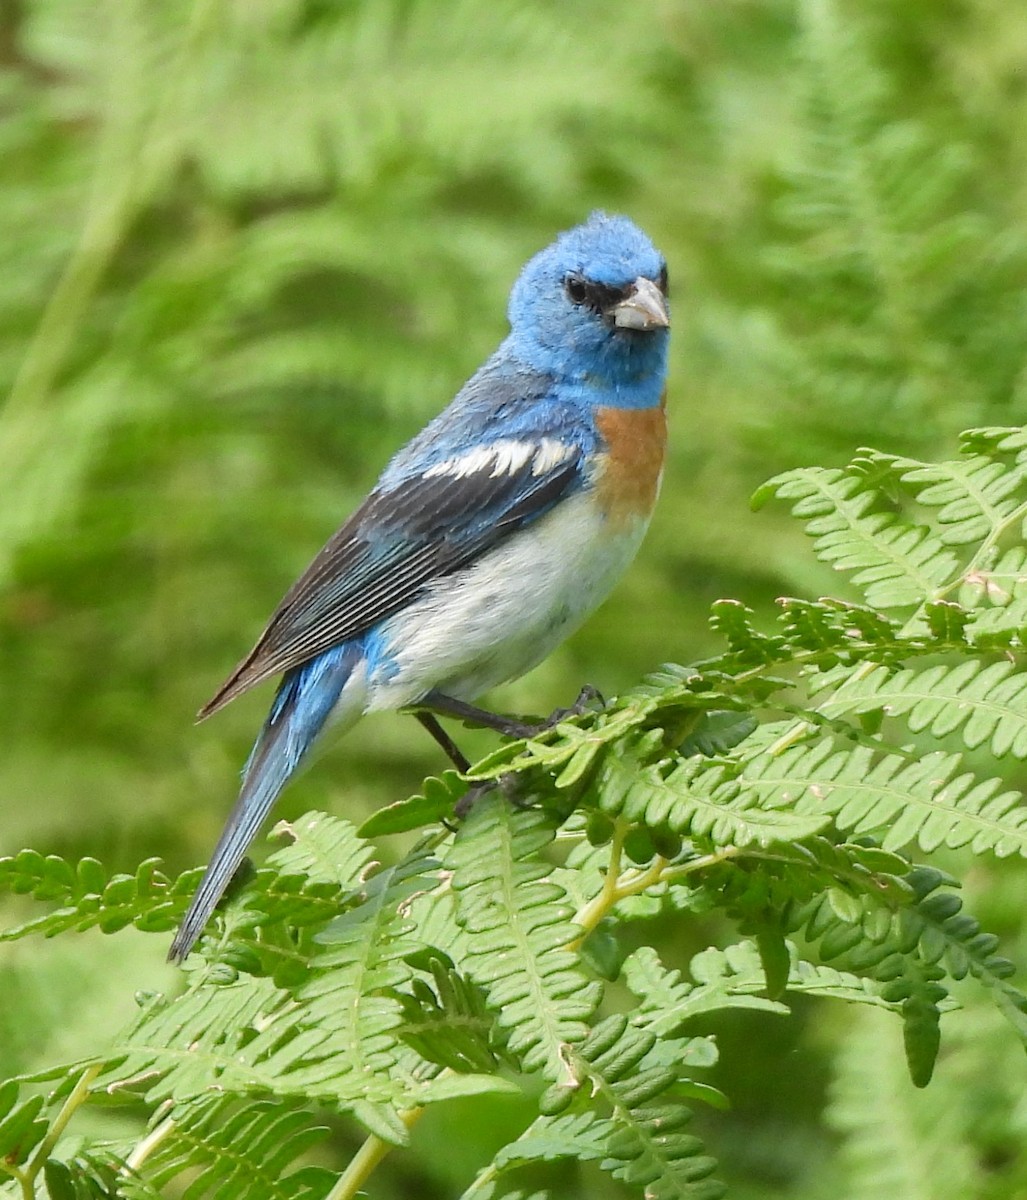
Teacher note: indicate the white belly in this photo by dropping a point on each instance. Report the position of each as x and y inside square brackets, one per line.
[495, 620]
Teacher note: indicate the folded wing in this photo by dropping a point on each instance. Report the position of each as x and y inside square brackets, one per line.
[402, 538]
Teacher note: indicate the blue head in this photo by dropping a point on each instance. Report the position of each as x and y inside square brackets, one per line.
[592, 308]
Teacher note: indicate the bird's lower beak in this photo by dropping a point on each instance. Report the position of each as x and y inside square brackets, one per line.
[644, 308]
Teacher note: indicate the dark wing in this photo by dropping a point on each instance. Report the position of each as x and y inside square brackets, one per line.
[401, 538]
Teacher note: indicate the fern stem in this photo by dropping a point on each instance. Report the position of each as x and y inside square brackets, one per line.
[617, 886]
[160, 1133]
[672, 874]
[632, 882]
[367, 1158]
[76, 1098]
[593, 912]
[25, 1185]
[481, 1181]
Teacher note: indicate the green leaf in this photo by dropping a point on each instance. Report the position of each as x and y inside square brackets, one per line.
[984, 702]
[897, 565]
[519, 932]
[436, 803]
[148, 899]
[775, 958]
[22, 1129]
[922, 800]
[693, 798]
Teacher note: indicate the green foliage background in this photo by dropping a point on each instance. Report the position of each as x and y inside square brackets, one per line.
[247, 248]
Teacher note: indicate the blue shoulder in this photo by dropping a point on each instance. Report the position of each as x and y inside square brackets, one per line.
[505, 400]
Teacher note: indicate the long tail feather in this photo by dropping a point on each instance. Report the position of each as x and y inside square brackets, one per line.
[304, 700]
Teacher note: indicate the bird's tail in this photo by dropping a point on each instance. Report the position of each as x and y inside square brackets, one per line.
[301, 707]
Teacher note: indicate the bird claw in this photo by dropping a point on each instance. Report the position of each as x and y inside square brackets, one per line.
[586, 698]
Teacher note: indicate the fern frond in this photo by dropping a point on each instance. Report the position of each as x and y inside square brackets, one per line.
[436, 802]
[519, 924]
[321, 848]
[993, 440]
[923, 799]
[88, 898]
[947, 934]
[983, 702]
[183, 1047]
[896, 565]
[910, 949]
[252, 1150]
[94, 1176]
[641, 1128]
[690, 797]
[449, 1024]
[973, 495]
[735, 624]
[22, 1127]
[335, 1040]
[731, 978]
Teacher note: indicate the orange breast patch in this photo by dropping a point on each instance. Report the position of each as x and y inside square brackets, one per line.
[636, 439]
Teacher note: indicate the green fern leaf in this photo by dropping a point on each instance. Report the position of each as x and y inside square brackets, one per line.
[734, 622]
[984, 702]
[996, 439]
[723, 979]
[149, 900]
[207, 1139]
[897, 565]
[717, 732]
[690, 797]
[910, 799]
[22, 1127]
[435, 803]
[645, 1143]
[93, 1176]
[449, 1024]
[336, 1039]
[974, 495]
[321, 848]
[919, 995]
[946, 934]
[518, 925]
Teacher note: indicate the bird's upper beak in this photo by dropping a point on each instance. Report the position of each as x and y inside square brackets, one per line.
[645, 307]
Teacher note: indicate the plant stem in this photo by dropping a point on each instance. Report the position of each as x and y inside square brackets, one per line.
[148, 1144]
[28, 1192]
[616, 888]
[367, 1158]
[76, 1098]
[593, 912]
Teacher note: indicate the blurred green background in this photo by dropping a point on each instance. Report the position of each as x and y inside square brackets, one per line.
[247, 247]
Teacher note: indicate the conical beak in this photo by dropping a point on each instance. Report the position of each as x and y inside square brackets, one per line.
[644, 308]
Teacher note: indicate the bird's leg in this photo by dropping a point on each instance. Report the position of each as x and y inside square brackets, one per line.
[459, 760]
[451, 750]
[447, 706]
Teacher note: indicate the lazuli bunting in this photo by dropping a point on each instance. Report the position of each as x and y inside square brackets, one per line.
[487, 539]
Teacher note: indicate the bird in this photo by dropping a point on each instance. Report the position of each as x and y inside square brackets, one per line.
[487, 539]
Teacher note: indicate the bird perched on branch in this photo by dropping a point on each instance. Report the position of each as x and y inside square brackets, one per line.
[486, 540]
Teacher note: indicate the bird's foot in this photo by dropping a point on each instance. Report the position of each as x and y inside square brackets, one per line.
[587, 697]
[510, 727]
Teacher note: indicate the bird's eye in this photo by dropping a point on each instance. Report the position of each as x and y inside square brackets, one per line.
[662, 281]
[576, 289]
